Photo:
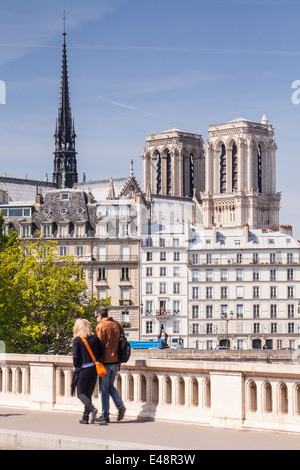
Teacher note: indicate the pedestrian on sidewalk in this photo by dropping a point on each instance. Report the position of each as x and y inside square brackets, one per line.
[85, 375]
[109, 332]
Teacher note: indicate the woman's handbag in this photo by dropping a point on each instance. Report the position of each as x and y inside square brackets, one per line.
[100, 368]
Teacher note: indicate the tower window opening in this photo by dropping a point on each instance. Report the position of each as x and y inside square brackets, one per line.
[158, 172]
[223, 169]
[259, 169]
[168, 174]
[234, 167]
[191, 174]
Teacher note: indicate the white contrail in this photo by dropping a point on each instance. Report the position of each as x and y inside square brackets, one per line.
[126, 106]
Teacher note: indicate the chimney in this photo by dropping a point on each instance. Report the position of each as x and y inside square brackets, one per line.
[246, 232]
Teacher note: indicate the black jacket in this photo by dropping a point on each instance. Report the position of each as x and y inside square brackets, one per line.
[82, 356]
[80, 353]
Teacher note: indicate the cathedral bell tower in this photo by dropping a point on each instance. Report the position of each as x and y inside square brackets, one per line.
[240, 175]
[65, 163]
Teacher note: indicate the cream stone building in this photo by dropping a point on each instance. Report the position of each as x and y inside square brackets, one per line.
[244, 288]
[240, 175]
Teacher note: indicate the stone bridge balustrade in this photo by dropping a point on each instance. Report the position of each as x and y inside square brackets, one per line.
[239, 395]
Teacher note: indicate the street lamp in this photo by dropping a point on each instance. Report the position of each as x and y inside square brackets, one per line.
[225, 317]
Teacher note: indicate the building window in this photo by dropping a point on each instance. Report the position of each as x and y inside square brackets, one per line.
[240, 311]
[162, 271]
[149, 256]
[101, 274]
[223, 275]
[239, 292]
[273, 327]
[209, 275]
[209, 328]
[79, 250]
[124, 274]
[64, 196]
[290, 292]
[209, 311]
[273, 275]
[256, 292]
[149, 327]
[255, 274]
[101, 293]
[125, 317]
[176, 256]
[273, 312]
[256, 328]
[195, 328]
[290, 257]
[290, 274]
[149, 307]
[239, 274]
[255, 311]
[291, 311]
[162, 288]
[223, 292]
[176, 307]
[148, 272]
[272, 258]
[291, 327]
[149, 288]
[195, 292]
[62, 250]
[163, 256]
[195, 311]
[26, 230]
[208, 293]
[176, 271]
[176, 287]
[273, 292]
[176, 327]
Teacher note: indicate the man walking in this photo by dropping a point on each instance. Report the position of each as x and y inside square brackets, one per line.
[109, 332]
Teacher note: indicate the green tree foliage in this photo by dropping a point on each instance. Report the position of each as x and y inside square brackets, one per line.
[41, 295]
[7, 240]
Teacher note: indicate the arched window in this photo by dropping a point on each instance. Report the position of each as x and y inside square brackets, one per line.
[259, 169]
[158, 173]
[169, 173]
[191, 174]
[223, 169]
[234, 167]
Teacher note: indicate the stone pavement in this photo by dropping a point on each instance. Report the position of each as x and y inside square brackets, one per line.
[42, 430]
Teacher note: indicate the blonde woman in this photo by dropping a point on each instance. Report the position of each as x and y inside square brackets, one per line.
[85, 370]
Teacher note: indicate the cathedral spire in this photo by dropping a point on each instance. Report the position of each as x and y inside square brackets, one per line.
[65, 164]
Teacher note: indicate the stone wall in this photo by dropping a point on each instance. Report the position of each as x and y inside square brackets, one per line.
[229, 394]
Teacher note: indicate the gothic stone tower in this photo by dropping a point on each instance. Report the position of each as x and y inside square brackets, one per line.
[240, 175]
[173, 163]
[65, 164]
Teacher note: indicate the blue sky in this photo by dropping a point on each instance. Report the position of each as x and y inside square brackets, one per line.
[138, 66]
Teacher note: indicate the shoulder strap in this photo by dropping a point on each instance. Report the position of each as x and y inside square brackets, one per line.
[88, 348]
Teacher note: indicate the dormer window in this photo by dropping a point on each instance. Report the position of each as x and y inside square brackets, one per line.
[64, 196]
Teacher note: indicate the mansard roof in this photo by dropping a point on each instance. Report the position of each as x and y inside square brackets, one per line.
[18, 189]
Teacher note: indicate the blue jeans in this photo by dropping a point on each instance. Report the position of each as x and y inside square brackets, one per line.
[107, 388]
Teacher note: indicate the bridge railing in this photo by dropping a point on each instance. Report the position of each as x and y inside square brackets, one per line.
[213, 393]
